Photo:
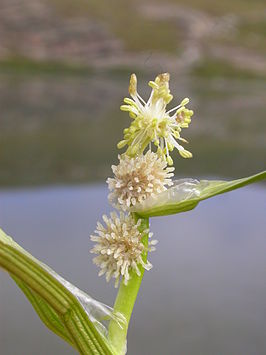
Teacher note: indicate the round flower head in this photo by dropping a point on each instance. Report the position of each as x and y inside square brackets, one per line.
[152, 123]
[136, 179]
[119, 247]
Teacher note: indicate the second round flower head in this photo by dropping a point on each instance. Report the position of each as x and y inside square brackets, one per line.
[119, 247]
[138, 178]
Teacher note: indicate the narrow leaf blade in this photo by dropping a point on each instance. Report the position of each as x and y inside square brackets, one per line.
[46, 313]
[58, 295]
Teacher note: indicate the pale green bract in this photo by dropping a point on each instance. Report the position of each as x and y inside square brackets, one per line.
[187, 193]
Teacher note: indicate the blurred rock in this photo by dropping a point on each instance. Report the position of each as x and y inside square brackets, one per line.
[32, 29]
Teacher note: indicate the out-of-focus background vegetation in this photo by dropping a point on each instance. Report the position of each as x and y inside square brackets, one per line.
[64, 71]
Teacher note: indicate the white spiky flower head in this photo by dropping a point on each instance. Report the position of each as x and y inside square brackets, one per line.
[119, 247]
[136, 179]
[152, 123]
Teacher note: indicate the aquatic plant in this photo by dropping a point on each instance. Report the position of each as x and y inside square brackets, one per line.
[142, 187]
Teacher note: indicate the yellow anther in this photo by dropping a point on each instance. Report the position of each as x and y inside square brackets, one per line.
[129, 101]
[169, 160]
[170, 147]
[164, 77]
[125, 108]
[185, 101]
[185, 153]
[132, 89]
[154, 122]
[153, 85]
[121, 144]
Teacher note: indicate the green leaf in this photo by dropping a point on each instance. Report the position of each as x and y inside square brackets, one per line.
[52, 298]
[46, 313]
[187, 193]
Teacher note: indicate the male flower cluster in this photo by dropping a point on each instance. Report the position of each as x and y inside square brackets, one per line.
[151, 123]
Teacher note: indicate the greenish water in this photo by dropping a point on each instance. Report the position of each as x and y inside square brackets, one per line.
[63, 128]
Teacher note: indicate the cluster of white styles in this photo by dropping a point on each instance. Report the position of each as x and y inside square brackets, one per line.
[140, 174]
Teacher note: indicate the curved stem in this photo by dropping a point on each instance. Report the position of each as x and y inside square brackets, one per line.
[126, 298]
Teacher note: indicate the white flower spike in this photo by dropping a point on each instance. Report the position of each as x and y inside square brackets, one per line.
[136, 179]
[119, 247]
[152, 123]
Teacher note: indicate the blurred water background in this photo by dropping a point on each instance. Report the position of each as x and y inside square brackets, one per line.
[64, 70]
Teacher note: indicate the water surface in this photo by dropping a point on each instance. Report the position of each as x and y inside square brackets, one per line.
[57, 129]
[205, 295]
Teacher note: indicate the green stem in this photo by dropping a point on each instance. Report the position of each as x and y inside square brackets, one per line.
[125, 300]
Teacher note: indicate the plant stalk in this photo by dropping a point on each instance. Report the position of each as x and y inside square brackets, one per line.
[126, 298]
